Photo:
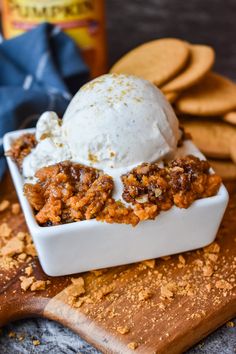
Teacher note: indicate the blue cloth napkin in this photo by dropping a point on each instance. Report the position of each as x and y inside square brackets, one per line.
[39, 71]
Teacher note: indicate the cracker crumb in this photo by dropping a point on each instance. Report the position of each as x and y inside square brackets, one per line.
[132, 345]
[36, 342]
[182, 259]
[230, 324]
[150, 263]
[29, 270]
[123, 329]
[22, 256]
[208, 287]
[12, 334]
[212, 257]
[144, 294]
[30, 250]
[166, 258]
[74, 291]
[223, 284]
[98, 272]
[12, 247]
[21, 235]
[166, 292]
[105, 290]
[15, 208]
[38, 285]
[4, 205]
[207, 271]
[26, 282]
[212, 248]
[5, 230]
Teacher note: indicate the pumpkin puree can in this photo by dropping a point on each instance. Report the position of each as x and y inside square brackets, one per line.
[83, 20]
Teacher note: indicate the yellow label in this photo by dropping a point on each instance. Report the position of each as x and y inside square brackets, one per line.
[83, 20]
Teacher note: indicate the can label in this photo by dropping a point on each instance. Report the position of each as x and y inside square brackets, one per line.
[83, 20]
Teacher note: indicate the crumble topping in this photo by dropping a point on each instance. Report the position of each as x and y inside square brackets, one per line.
[21, 147]
[68, 192]
[179, 183]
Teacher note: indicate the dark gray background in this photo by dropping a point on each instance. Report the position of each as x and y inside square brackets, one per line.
[211, 22]
[130, 23]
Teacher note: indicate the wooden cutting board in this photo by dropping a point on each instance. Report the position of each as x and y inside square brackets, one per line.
[161, 306]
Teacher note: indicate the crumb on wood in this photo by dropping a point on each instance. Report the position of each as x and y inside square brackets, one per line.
[21, 235]
[123, 329]
[12, 247]
[144, 294]
[223, 284]
[105, 290]
[22, 256]
[29, 270]
[182, 259]
[132, 345]
[167, 291]
[5, 230]
[212, 248]
[207, 271]
[99, 272]
[15, 208]
[26, 282]
[150, 263]
[4, 205]
[38, 285]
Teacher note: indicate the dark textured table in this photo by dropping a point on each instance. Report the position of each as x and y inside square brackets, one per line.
[129, 24]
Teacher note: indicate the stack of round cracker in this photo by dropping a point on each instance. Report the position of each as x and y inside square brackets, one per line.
[204, 101]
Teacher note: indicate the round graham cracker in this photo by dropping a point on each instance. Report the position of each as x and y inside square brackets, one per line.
[214, 95]
[215, 139]
[200, 62]
[224, 168]
[230, 117]
[157, 61]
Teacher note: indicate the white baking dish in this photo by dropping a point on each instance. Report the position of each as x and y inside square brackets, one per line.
[86, 245]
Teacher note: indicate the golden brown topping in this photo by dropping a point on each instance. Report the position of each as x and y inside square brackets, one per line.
[117, 212]
[179, 183]
[21, 147]
[68, 192]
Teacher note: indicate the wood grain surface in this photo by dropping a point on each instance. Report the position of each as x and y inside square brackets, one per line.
[164, 307]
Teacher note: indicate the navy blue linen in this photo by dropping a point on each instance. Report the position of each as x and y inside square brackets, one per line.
[40, 70]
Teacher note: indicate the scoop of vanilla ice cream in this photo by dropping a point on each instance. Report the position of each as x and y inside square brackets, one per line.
[51, 146]
[114, 123]
[119, 121]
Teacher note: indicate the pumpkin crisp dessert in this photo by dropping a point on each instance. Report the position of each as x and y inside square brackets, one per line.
[67, 192]
[119, 164]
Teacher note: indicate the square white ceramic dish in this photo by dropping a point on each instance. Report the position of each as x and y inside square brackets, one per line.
[86, 245]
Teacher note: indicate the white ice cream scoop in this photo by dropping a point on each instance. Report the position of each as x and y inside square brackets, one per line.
[113, 123]
[119, 121]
